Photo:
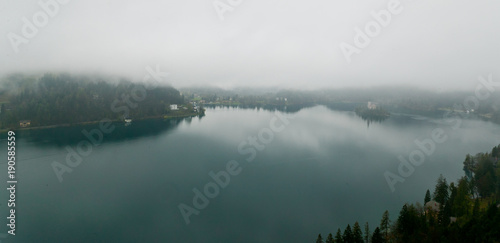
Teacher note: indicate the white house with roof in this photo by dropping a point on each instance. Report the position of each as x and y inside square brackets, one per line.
[173, 107]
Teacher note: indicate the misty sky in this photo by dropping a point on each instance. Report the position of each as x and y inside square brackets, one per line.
[439, 45]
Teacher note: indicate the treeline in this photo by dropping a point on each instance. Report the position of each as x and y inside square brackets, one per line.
[465, 211]
[393, 99]
[54, 99]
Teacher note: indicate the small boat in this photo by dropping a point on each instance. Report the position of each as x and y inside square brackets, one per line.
[128, 120]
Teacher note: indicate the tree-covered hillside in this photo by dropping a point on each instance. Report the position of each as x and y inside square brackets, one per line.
[465, 211]
[54, 99]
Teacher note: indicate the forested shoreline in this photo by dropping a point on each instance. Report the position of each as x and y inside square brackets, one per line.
[62, 99]
[463, 211]
[393, 100]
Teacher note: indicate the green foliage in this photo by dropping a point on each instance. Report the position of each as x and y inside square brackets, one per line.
[485, 176]
[367, 232]
[338, 236]
[461, 203]
[427, 197]
[385, 225]
[320, 239]
[357, 234]
[409, 223]
[445, 213]
[475, 210]
[348, 236]
[441, 193]
[64, 99]
[329, 239]
[469, 165]
[482, 228]
[494, 152]
[377, 236]
[473, 221]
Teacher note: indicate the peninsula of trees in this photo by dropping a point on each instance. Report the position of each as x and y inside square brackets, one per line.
[62, 99]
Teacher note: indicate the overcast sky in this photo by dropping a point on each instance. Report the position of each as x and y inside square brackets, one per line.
[439, 45]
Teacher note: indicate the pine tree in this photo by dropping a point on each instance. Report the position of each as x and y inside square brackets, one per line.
[367, 233]
[408, 223]
[461, 205]
[445, 214]
[385, 224]
[451, 200]
[494, 152]
[357, 233]
[468, 165]
[320, 239]
[329, 239]
[403, 222]
[427, 197]
[441, 193]
[377, 236]
[338, 236]
[348, 237]
[485, 176]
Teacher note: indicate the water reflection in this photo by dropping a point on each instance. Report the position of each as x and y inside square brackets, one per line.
[293, 108]
[370, 114]
[325, 155]
[63, 136]
[372, 119]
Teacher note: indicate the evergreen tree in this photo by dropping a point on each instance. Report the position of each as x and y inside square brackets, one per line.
[385, 223]
[403, 223]
[357, 233]
[377, 236]
[461, 203]
[348, 237]
[367, 233]
[494, 152]
[415, 225]
[427, 197]
[409, 223]
[451, 200]
[320, 239]
[469, 165]
[485, 176]
[445, 214]
[329, 239]
[338, 236]
[441, 194]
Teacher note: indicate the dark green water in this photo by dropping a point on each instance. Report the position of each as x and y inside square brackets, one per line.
[323, 171]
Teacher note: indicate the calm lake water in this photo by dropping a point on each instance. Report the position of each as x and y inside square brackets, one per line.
[323, 171]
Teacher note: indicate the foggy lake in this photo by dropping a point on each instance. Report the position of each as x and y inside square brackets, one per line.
[313, 171]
